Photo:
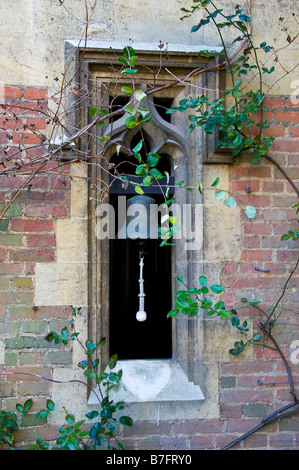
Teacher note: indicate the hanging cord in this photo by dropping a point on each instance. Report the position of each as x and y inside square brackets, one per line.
[141, 314]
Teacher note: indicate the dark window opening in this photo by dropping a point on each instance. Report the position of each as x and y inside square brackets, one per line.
[127, 164]
[116, 103]
[128, 337]
[161, 105]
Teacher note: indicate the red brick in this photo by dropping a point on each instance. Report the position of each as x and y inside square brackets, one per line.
[28, 138]
[257, 228]
[4, 138]
[60, 182]
[254, 200]
[266, 115]
[26, 374]
[201, 442]
[251, 368]
[8, 390]
[29, 225]
[282, 440]
[274, 131]
[34, 388]
[248, 396]
[285, 145]
[229, 298]
[11, 91]
[35, 93]
[251, 172]
[229, 269]
[242, 185]
[273, 187]
[8, 298]
[11, 268]
[293, 159]
[287, 256]
[10, 123]
[293, 102]
[40, 182]
[229, 410]
[252, 242]
[273, 214]
[294, 132]
[37, 255]
[27, 107]
[253, 283]
[10, 182]
[274, 101]
[37, 210]
[38, 197]
[256, 440]
[38, 123]
[257, 255]
[60, 211]
[286, 116]
[199, 427]
[45, 240]
[239, 425]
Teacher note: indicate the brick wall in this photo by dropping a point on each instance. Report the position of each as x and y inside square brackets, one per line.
[27, 236]
[248, 390]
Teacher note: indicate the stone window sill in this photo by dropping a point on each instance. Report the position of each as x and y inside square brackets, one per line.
[153, 381]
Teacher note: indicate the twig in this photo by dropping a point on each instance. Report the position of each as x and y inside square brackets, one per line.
[283, 172]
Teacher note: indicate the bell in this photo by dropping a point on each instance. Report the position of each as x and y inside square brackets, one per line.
[141, 219]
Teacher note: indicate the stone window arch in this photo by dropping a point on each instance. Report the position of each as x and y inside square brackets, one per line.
[183, 373]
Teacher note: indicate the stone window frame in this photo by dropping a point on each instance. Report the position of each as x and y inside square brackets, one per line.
[185, 371]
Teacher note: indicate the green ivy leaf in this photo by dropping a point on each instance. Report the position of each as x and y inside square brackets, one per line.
[234, 352]
[129, 71]
[138, 190]
[126, 89]
[216, 183]
[42, 414]
[173, 312]
[131, 122]
[219, 195]
[137, 147]
[250, 211]
[126, 421]
[153, 159]
[217, 289]
[129, 109]
[230, 202]
[139, 95]
[83, 364]
[93, 111]
[92, 414]
[50, 405]
[141, 169]
[224, 313]
[143, 111]
[256, 337]
[245, 18]
[112, 361]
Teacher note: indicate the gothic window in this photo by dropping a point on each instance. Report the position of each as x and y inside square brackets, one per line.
[175, 346]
